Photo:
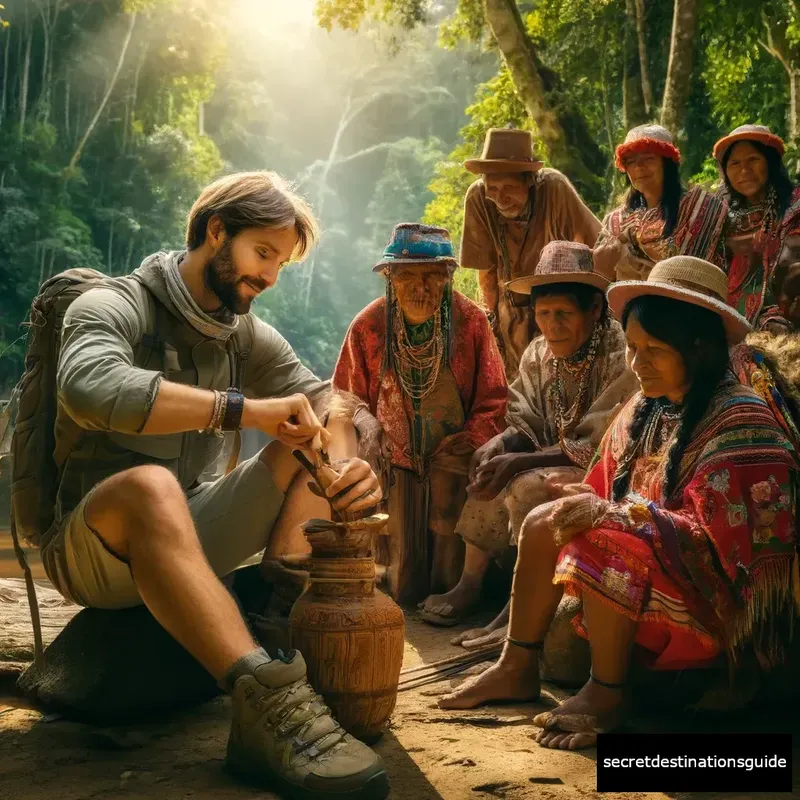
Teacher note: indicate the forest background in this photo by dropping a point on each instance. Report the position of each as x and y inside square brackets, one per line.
[114, 114]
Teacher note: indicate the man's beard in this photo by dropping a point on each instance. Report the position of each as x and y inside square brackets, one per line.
[222, 279]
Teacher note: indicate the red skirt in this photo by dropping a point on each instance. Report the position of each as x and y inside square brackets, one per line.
[621, 571]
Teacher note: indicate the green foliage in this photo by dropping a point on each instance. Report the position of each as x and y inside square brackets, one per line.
[144, 161]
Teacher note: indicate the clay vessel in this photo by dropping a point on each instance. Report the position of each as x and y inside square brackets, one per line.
[350, 633]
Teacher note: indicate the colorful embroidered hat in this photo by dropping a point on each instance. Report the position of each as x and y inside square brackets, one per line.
[412, 243]
[647, 139]
[505, 150]
[690, 280]
[748, 133]
[562, 262]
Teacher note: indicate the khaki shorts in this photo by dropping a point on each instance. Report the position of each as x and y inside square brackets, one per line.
[233, 517]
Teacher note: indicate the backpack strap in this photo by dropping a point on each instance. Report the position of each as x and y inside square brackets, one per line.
[238, 353]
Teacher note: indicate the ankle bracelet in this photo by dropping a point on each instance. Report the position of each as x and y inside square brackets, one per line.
[605, 684]
[526, 645]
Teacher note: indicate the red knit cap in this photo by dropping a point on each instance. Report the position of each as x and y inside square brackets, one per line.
[647, 139]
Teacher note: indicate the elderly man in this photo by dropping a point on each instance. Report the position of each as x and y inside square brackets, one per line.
[510, 214]
[424, 364]
[572, 380]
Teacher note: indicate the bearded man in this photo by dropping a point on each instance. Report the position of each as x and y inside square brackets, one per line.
[511, 212]
[144, 371]
[424, 365]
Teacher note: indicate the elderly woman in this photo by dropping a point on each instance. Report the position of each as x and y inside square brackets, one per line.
[763, 210]
[659, 218]
[682, 540]
[424, 364]
[572, 380]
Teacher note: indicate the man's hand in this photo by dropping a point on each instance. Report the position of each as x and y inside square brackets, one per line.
[495, 474]
[485, 453]
[607, 256]
[357, 488]
[291, 420]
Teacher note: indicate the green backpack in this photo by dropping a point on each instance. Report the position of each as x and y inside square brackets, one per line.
[32, 412]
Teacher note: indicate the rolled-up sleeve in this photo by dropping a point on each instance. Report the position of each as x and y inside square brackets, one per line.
[98, 384]
[274, 370]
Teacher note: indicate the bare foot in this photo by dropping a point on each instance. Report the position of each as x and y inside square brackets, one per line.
[453, 604]
[493, 637]
[506, 680]
[494, 632]
[576, 722]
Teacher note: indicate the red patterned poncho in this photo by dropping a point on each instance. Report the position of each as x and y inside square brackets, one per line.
[708, 571]
[475, 363]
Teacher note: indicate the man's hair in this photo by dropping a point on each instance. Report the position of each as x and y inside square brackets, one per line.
[582, 293]
[253, 200]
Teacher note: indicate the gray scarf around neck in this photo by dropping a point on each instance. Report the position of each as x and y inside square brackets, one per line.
[220, 326]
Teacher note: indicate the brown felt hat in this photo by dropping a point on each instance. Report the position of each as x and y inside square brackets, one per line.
[505, 150]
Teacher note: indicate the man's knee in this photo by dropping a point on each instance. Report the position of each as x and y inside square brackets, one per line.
[137, 493]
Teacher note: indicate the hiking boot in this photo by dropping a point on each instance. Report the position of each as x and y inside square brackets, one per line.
[284, 737]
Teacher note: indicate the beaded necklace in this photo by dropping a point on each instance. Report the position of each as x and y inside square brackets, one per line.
[579, 365]
[418, 365]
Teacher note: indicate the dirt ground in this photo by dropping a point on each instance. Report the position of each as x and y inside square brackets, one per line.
[429, 753]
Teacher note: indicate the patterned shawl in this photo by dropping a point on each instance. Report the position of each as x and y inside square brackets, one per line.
[698, 232]
[728, 541]
[750, 264]
[474, 361]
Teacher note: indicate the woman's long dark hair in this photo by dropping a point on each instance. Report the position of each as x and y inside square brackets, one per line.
[670, 197]
[699, 336]
[777, 177]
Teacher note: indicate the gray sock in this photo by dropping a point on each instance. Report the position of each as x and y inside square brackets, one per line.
[244, 666]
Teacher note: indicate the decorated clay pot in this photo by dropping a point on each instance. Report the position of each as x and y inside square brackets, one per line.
[350, 633]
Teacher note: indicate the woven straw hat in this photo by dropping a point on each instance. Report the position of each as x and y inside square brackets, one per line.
[562, 262]
[505, 150]
[690, 280]
[748, 133]
[647, 139]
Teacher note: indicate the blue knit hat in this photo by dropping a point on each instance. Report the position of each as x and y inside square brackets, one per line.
[412, 243]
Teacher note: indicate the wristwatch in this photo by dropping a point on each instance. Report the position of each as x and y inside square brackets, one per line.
[233, 410]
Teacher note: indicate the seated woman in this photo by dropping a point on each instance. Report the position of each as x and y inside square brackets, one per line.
[425, 368]
[659, 218]
[572, 381]
[763, 209]
[681, 542]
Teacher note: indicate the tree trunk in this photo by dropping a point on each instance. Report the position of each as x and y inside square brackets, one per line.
[23, 92]
[679, 70]
[66, 107]
[570, 146]
[778, 46]
[3, 97]
[794, 104]
[110, 259]
[633, 106]
[641, 29]
[110, 88]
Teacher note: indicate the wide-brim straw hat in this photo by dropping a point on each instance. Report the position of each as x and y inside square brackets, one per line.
[505, 150]
[647, 139]
[690, 280]
[748, 133]
[413, 243]
[562, 262]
